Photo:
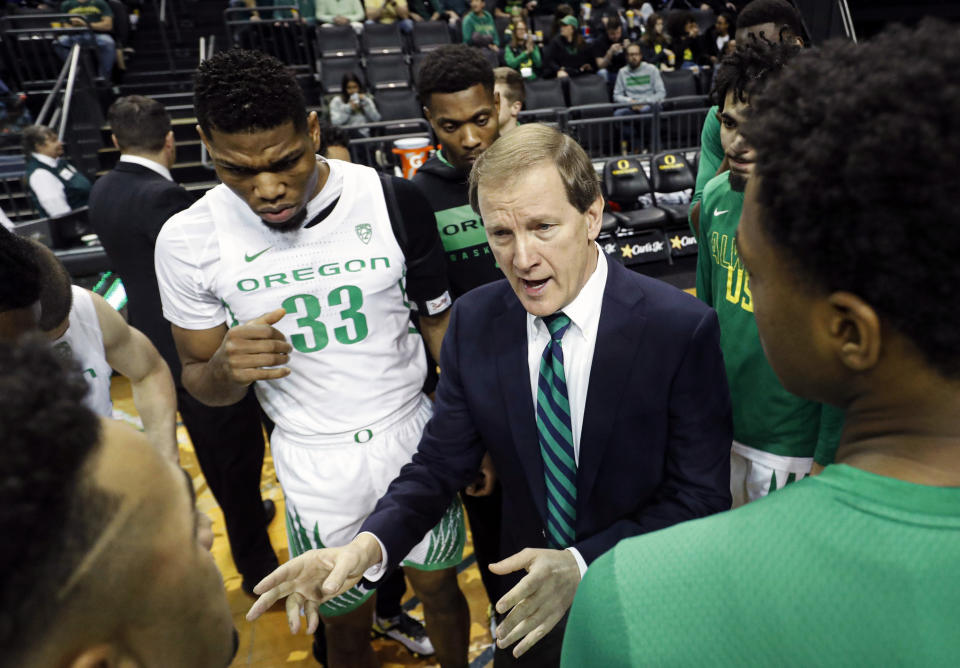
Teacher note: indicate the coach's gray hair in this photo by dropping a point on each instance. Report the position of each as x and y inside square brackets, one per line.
[529, 145]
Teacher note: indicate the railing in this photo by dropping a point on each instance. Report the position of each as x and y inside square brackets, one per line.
[847, 20]
[376, 150]
[283, 34]
[31, 42]
[165, 21]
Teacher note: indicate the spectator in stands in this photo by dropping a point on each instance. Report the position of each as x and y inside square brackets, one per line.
[306, 10]
[97, 15]
[388, 12]
[510, 8]
[562, 11]
[340, 13]
[452, 9]
[609, 50]
[423, 10]
[567, 54]
[479, 28]
[720, 34]
[508, 84]
[353, 106]
[686, 41]
[545, 7]
[640, 85]
[56, 187]
[105, 565]
[523, 53]
[656, 46]
[334, 143]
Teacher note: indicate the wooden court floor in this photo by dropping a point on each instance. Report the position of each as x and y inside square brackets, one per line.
[267, 642]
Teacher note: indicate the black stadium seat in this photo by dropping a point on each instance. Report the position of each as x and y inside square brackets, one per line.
[416, 62]
[430, 35]
[332, 71]
[640, 239]
[679, 83]
[670, 173]
[382, 39]
[544, 94]
[390, 71]
[398, 104]
[588, 89]
[337, 41]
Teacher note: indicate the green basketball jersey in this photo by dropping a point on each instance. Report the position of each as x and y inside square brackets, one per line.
[765, 415]
[844, 569]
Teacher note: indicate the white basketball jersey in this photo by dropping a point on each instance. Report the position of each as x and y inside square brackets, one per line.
[83, 341]
[356, 359]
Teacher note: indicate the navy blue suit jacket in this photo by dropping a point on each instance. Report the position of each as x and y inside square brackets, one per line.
[656, 434]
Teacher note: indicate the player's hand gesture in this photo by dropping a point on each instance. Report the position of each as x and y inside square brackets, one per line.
[315, 577]
[255, 350]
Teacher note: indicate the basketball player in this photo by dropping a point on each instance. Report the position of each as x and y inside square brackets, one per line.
[760, 21]
[776, 434]
[82, 325]
[298, 274]
[855, 306]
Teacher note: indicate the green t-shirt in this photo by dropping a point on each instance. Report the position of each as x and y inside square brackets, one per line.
[765, 415]
[481, 25]
[711, 154]
[92, 11]
[844, 569]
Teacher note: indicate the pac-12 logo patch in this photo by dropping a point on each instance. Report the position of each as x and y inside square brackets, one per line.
[365, 232]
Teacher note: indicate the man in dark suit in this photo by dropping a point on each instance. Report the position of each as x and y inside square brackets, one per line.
[128, 206]
[600, 395]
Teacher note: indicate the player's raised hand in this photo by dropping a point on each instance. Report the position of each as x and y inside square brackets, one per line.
[255, 350]
[314, 577]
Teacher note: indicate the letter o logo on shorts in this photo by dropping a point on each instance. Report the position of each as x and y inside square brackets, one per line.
[363, 436]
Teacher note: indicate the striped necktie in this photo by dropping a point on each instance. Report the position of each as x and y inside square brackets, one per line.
[556, 438]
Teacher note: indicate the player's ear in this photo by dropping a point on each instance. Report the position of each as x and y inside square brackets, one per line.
[203, 137]
[853, 331]
[113, 140]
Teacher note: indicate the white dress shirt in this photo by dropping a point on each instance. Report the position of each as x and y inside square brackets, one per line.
[578, 344]
[48, 189]
[149, 164]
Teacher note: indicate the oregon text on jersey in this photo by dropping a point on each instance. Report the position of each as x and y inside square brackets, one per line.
[310, 274]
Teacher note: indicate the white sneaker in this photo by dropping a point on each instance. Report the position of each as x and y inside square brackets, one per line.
[405, 630]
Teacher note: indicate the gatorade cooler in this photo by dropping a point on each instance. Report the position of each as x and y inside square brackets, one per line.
[413, 152]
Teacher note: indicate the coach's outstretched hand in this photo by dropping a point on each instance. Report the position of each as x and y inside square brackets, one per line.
[540, 599]
[315, 577]
[255, 350]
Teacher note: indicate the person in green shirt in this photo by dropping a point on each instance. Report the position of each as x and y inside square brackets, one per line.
[479, 28]
[855, 306]
[522, 53]
[776, 434]
[97, 15]
[766, 20]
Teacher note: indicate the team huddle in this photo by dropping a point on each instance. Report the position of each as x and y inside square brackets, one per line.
[600, 428]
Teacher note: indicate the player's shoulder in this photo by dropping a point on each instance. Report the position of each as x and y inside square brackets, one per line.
[188, 230]
[717, 186]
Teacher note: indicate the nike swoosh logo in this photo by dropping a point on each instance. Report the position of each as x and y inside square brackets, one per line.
[251, 258]
[715, 213]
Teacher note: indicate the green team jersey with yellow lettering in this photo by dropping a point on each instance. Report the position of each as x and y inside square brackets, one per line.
[470, 263]
[847, 568]
[765, 415]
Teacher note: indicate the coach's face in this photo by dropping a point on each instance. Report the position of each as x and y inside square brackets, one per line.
[544, 246]
[274, 171]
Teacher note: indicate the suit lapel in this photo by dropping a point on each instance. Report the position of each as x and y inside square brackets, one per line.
[619, 336]
[514, 376]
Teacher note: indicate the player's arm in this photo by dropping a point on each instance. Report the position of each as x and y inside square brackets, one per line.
[219, 364]
[130, 353]
[712, 162]
[426, 265]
